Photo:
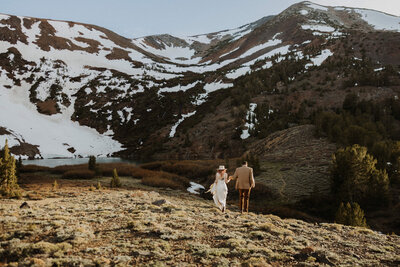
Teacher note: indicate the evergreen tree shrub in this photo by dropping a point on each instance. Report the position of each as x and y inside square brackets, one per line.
[356, 179]
[115, 182]
[350, 214]
[55, 185]
[98, 186]
[18, 166]
[92, 163]
[8, 179]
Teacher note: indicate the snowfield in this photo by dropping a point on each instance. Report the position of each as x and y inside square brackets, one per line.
[380, 21]
[53, 134]
[315, 6]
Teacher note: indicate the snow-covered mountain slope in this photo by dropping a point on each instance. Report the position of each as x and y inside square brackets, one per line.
[56, 136]
[89, 85]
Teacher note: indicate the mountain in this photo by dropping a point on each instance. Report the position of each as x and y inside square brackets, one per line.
[69, 89]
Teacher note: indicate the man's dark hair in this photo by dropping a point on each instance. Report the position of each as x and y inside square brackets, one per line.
[244, 162]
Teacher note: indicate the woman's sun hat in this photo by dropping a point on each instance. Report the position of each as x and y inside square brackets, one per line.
[221, 168]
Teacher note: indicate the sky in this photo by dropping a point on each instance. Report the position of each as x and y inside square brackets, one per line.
[137, 18]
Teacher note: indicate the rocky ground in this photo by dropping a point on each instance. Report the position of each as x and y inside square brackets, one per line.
[77, 225]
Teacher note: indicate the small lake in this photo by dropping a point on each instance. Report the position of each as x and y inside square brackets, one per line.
[73, 161]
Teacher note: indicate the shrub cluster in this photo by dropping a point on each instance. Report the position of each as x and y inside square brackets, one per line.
[78, 174]
[33, 168]
[124, 169]
[8, 179]
[115, 181]
[350, 214]
[356, 179]
[195, 170]
[164, 179]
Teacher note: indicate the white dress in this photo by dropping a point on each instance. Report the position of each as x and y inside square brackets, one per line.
[220, 190]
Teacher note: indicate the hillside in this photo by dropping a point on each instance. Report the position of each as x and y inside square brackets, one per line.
[157, 97]
[75, 226]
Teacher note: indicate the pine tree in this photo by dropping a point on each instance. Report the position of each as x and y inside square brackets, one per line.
[18, 166]
[8, 179]
[356, 179]
[99, 187]
[92, 163]
[350, 214]
[115, 182]
[55, 185]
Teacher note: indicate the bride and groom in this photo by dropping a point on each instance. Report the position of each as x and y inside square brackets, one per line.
[244, 183]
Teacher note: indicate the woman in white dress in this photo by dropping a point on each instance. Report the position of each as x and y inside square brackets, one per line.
[219, 188]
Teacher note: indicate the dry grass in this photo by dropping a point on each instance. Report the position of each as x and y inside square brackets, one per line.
[193, 169]
[140, 173]
[78, 174]
[149, 177]
[189, 169]
[48, 107]
[156, 181]
[123, 169]
[164, 179]
[105, 169]
[154, 166]
[33, 168]
[67, 168]
[275, 230]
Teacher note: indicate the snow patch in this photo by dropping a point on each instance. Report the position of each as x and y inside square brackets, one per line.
[315, 6]
[379, 20]
[238, 72]
[230, 52]
[303, 12]
[194, 187]
[250, 120]
[283, 50]
[318, 60]
[318, 28]
[203, 38]
[178, 88]
[184, 116]
[257, 48]
[91, 103]
[211, 87]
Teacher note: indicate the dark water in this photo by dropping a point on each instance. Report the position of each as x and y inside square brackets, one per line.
[73, 161]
